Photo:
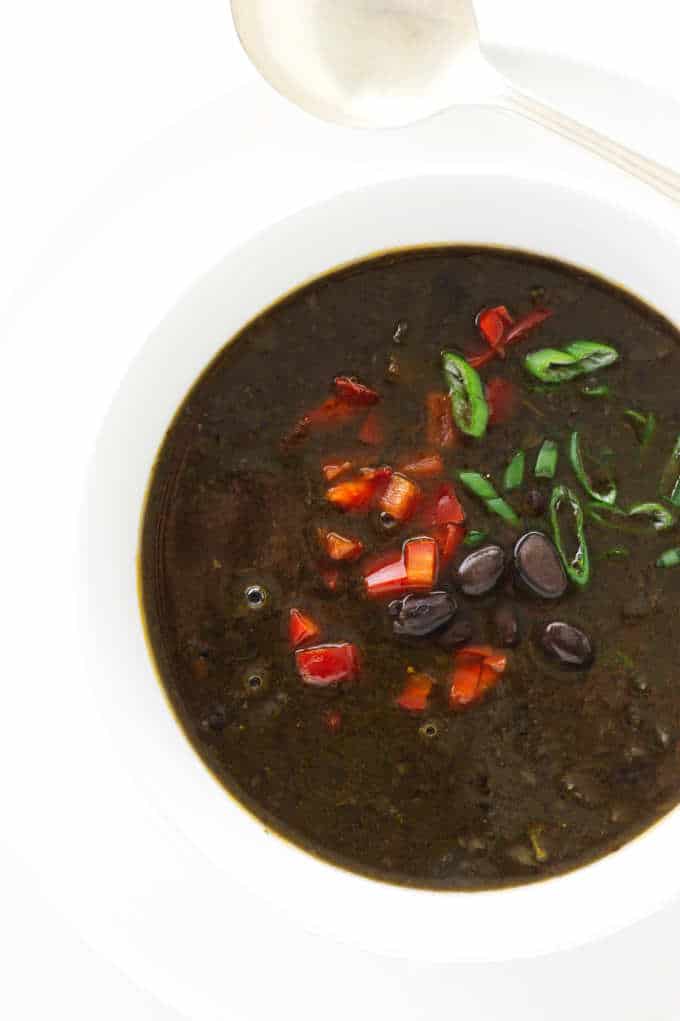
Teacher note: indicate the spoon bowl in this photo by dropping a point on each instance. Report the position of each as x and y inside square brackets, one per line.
[388, 63]
[368, 63]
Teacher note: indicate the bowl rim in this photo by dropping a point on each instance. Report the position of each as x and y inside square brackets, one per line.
[556, 913]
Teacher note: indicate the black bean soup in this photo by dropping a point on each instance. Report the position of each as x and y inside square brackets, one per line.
[410, 567]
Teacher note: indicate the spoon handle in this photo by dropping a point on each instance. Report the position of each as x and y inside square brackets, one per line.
[656, 175]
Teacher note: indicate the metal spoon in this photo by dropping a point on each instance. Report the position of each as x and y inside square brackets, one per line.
[387, 63]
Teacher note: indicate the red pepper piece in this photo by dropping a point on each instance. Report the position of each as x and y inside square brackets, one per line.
[478, 361]
[334, 469]
[465, 683]
[401, 498]
[441, 431]
[477, 668]
[337, 547]
[352, 391]
[527, 323]
[301, 628]
[372, 431]
[416, 692]
[387, 579]
[331, 578]
[448, 538]
[429, 466]
[502, 397]
[332, 720]
[442, 507]
[448, 509]
[359, 494]
[333, 411]
[494, 658]
[514, 331]
[323, 665]
[421, 562]
[493, 324]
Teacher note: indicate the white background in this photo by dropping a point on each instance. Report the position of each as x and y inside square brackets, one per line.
[128, 113]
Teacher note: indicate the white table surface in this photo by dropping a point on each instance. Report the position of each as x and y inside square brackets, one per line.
[134, 116]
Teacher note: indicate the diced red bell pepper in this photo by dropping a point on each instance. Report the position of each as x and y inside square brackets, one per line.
[359, 494]
[448, 538]
[401, 498]
[334, 469]
[502, 397]
[301, 628]
[429, 466]
[527, 323]
[372, 431]
[421, 562]
[441, 431]
[332, 720]
[416, 692]
[323, 665]
[352, 391]
[493, 324]
[387, 579]
[477, 668]
[337, 547]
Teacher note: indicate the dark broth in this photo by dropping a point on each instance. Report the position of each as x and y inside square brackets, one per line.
[550, 769]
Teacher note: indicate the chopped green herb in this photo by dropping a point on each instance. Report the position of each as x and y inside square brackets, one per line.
[546, 462]
[576, 564]
[669, 558]
[514, 473]
[482, 488]
[470, 410]
[474, 537]
[551, 365]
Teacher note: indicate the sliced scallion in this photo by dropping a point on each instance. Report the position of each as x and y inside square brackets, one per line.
[669, 558]
[552, 365]
[670, 480]
[546, 462]
[607, 496]
[644, 426]
[482, 488]
[514, 473]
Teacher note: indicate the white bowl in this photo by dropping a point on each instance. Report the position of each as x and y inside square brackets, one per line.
[438, 926]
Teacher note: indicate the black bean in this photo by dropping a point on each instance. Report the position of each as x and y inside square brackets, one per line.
[536, 502]
[567, 644]
[417, 616]
[481, 570]
[215, 721]
[506, 625]
[458, 632]
[538, 566]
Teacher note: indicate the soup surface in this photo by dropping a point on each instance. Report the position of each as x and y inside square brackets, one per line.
[419, 612]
